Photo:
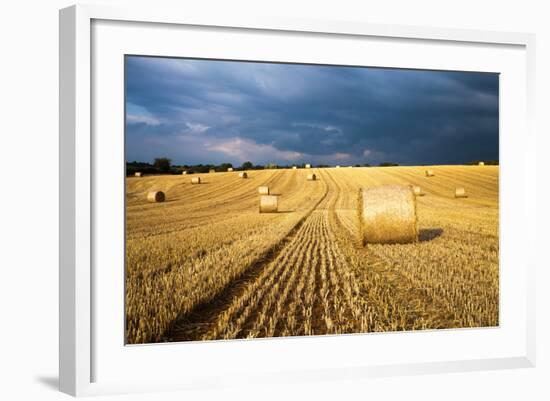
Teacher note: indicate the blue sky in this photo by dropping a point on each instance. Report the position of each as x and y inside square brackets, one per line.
[208, 111]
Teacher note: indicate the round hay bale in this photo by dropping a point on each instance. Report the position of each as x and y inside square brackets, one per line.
[196, 180]
[337, 166]
[387, 215]
[156, 196]
[138, 174]
[268, 204]
[460, 193]
[429, 173]
[263, 190]
[230, 169]
[184, 172]
[294, 167]
[212, 170]
[243, 174]
[417, 190]
[311, 177]
[308, 165]
[481, 164]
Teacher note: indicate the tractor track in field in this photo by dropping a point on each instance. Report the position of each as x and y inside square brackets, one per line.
[196, 324]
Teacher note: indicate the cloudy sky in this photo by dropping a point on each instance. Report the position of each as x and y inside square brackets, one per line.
[204, 111]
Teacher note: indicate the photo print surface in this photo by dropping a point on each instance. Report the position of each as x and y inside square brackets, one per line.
[278, 199]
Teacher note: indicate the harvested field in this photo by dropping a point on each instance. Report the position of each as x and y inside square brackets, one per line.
[206, 264]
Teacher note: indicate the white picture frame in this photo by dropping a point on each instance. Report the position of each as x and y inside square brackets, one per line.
[79, 349]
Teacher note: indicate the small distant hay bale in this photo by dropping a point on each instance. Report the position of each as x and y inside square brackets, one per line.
[311, 177]
[429, 173]
[387, 215]
[294, 167]
[212, 170]
[263, 190]
[269, 204]
[138, 174]
[417, 190]
[308, 165]
[337, 166]
[230, 169]
[196, 180]
[481, 164]
[184, 172]
[350, 166]
[460, 193]
[156, 196]
[243, 174]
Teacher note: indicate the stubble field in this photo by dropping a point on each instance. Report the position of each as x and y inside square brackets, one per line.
[207, 265]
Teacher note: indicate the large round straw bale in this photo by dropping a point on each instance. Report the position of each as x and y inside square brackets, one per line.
[308, 165]
[460, 193]
[311, 177]
[429, 173]
[387, 215]
[417, 190]
[481, 163]
[243, 174]
[196, 180]
[230, 169]
[156, 196]
[138, 174]
[268, 204]
[263, 190]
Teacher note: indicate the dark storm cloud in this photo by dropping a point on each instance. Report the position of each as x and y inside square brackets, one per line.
[199, 111]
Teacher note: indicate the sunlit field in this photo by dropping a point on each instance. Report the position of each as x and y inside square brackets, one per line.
[206, 265]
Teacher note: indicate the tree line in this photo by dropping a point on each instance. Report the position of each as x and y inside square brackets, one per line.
[163, 165]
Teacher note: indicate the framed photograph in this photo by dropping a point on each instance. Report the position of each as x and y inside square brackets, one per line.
[269, 200]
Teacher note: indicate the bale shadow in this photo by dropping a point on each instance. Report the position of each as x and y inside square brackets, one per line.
[429, 234]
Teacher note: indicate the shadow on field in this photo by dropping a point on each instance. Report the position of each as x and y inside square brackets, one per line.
[428, 234]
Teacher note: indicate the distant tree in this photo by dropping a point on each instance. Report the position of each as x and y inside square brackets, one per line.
[388, 164]
[247, 165]
[271, 165]
[225, 166]
[366, 165]
[201, 168]
[162, 163]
